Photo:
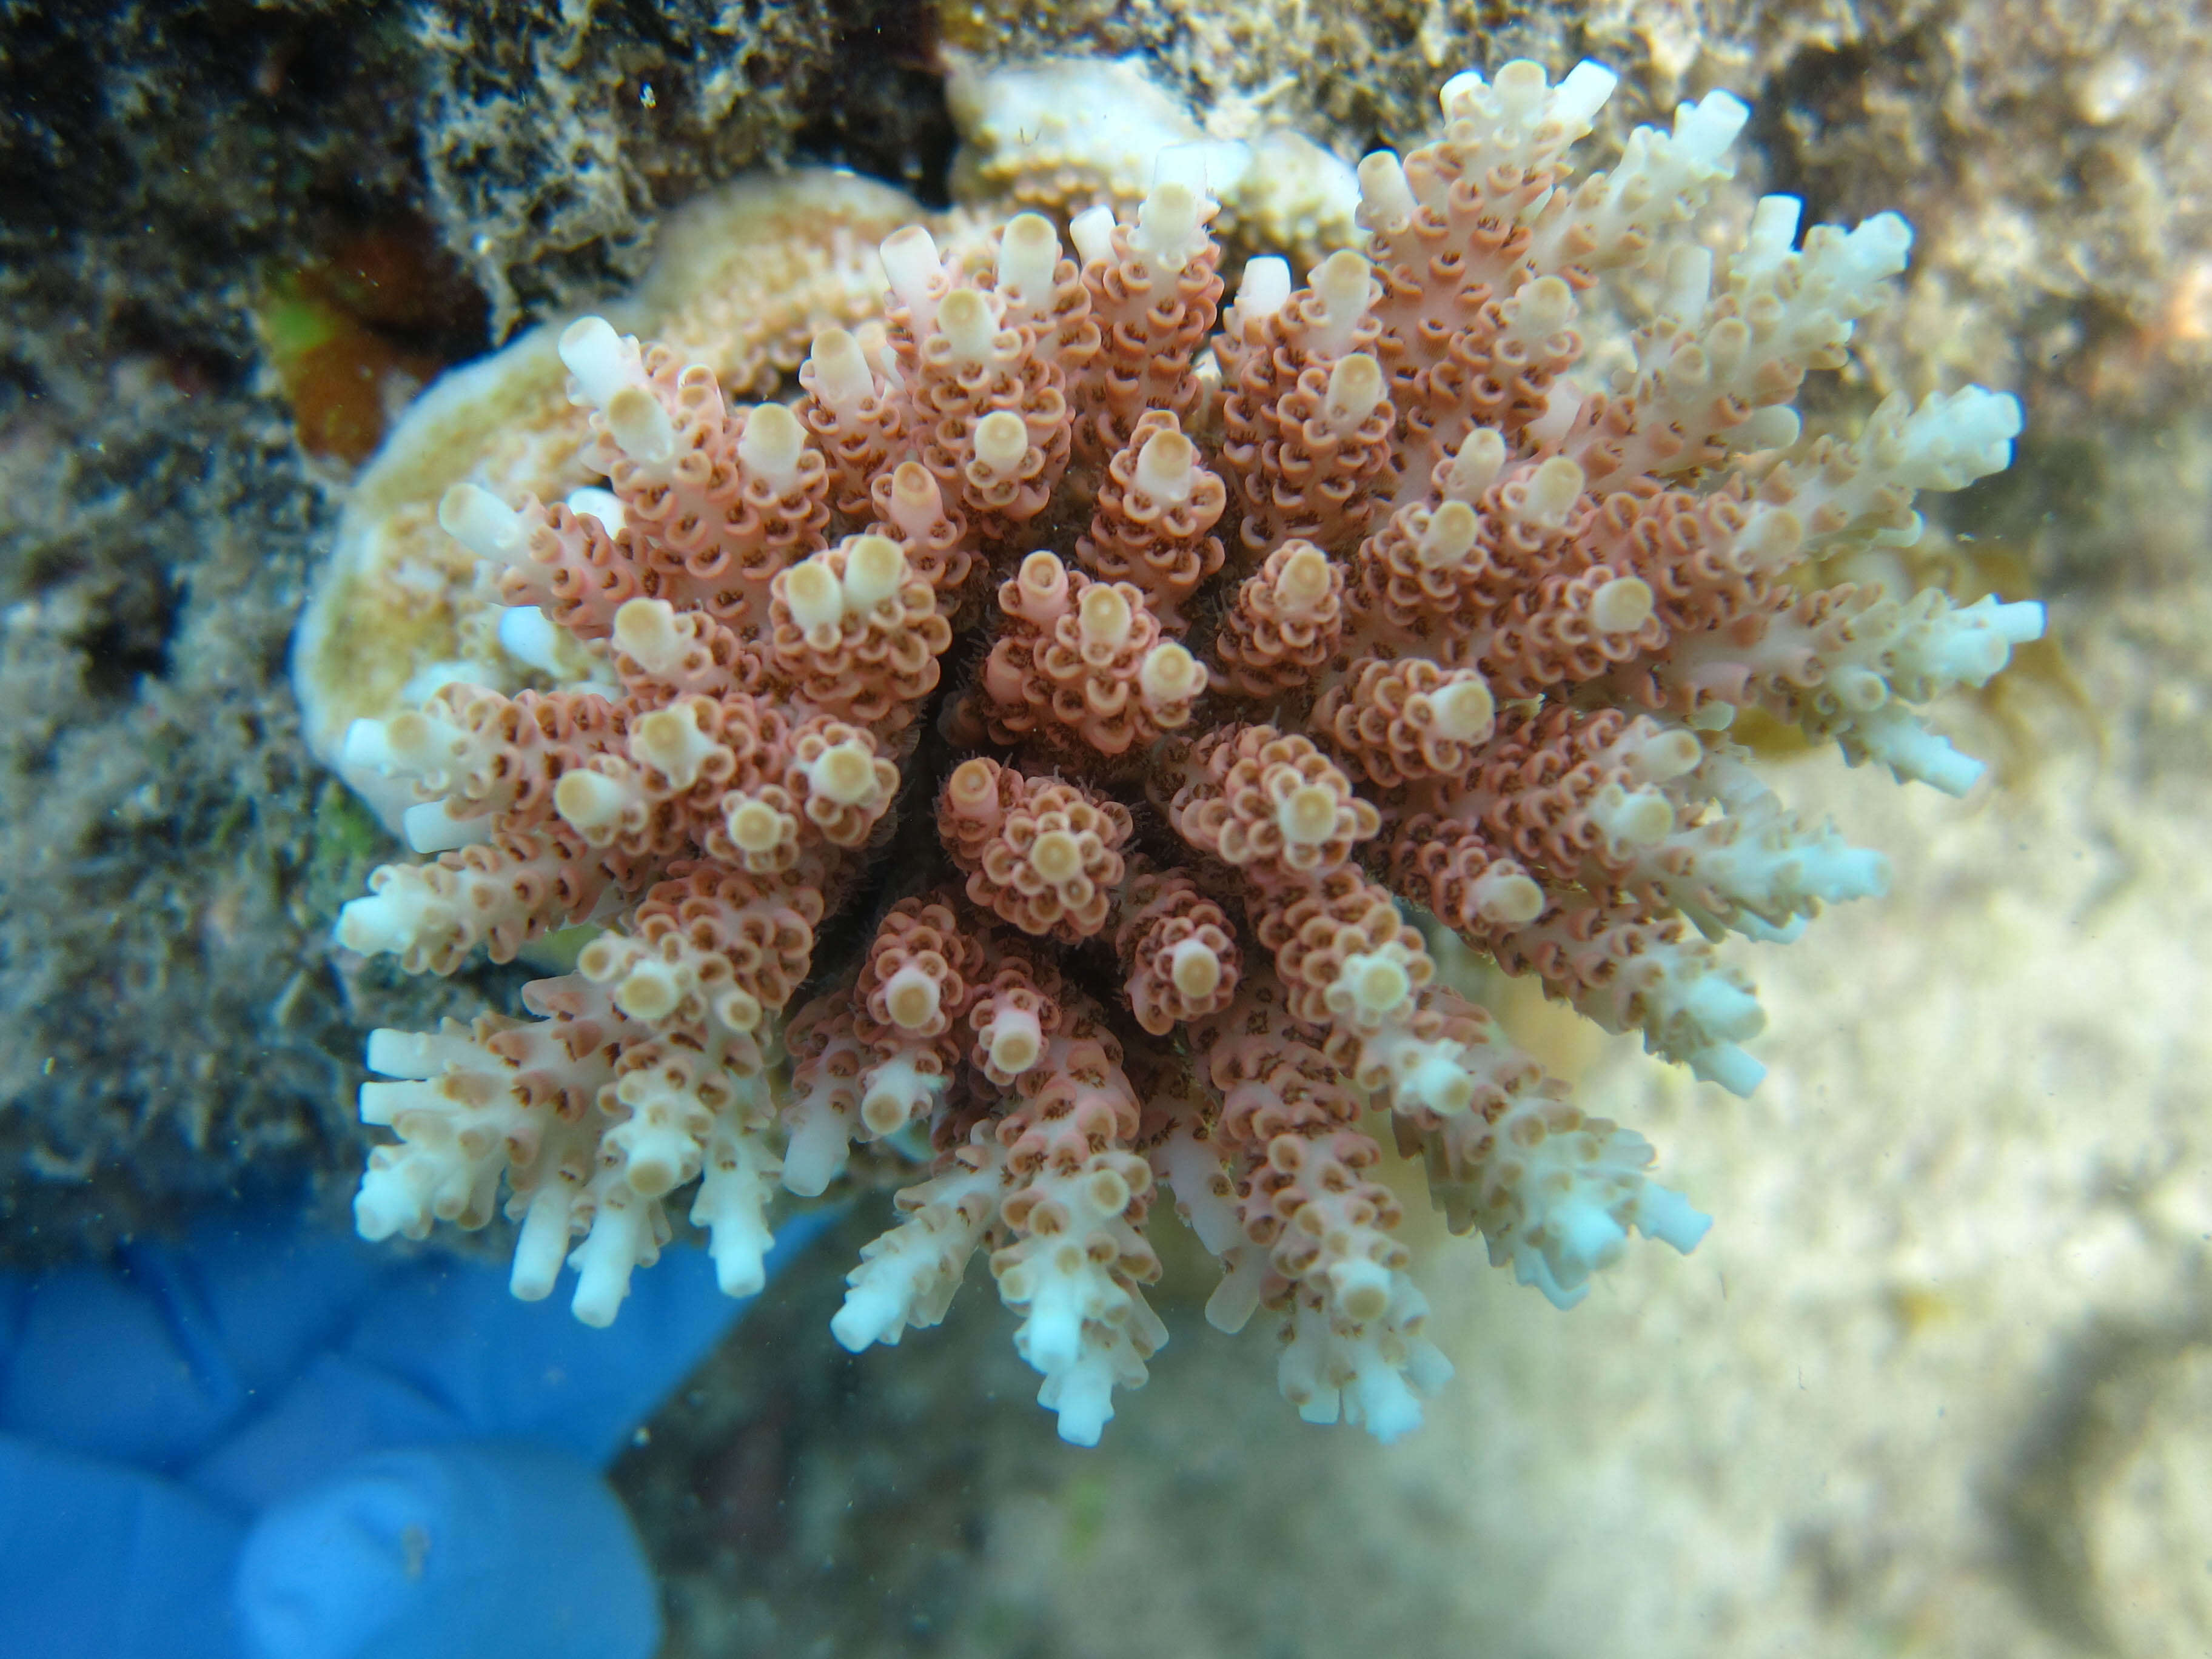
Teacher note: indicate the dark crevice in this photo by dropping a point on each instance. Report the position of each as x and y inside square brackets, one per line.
[131, 640]
[2098, 1394]
[1823, 92]
[885, 115]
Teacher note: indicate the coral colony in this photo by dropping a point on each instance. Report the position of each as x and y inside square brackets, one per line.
[1210, 644]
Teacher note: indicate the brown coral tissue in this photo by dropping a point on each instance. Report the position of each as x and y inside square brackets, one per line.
[1116, 671]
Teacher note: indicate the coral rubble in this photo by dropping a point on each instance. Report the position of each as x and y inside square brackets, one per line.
[1210, 641]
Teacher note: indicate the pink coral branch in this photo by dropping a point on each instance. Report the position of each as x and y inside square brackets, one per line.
[1420, 596]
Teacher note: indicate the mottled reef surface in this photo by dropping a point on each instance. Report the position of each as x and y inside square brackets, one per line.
[1937, 1382]
[230, 235]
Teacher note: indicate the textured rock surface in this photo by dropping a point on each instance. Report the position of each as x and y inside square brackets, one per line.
[167, 171]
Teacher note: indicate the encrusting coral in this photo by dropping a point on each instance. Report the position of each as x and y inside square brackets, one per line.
[1210, 640]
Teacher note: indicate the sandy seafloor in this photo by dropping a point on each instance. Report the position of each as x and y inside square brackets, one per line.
[1938, 1383]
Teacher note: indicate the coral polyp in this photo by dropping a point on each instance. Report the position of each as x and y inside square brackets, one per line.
[1123, 671]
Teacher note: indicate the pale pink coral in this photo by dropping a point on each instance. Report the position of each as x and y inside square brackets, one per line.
[1049, 860]
[1155, 289]
[1178, 950]
[1444, 595]
[1081, 666]
[1270, 803]
[1153, 522]
[1285, 623]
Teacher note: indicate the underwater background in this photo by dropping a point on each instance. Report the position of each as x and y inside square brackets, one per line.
[1937, 1382]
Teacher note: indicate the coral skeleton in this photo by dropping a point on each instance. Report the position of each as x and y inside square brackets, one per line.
[1118, 671]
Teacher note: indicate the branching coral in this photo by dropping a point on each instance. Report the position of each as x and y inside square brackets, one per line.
[1208, 645]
